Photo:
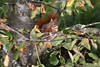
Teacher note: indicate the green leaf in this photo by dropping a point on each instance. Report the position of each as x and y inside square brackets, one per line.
[70, 45]
[71, 56]
[40, 44]
[39, 34]
[74, 42]
[33, 35]
[8, 46]
[6, 42]
[54, 53]
[56, 43]
[34, 13]
[53, 60]
[85, 43]
[82, 61]
[10, 36]
[15, 55]
[69, 10]
[76, 56]
[21, 45]
[67, 46]
[41, 65]
[89, 3]
[93, 56]
[62, 60]
[21, 30]
[93, 43]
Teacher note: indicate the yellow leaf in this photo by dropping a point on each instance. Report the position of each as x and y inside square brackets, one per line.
[36, 29]
[6, 61]
[33, 66]
[69, 3]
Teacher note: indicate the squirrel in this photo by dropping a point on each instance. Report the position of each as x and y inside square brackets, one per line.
[48, 24]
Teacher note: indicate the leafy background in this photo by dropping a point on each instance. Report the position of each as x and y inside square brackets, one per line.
[74, 52]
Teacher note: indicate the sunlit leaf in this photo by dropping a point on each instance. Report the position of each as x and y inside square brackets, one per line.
[36, 29]
[74, 42]
[70, 45]
[70, 2]
[69, 11]
[33, 35]
[40, 44]
[63, 3]
[6, 61]
[39, 34]
[21, 30]
[85, 43]
[67, 46]
[57, 42]
[82, 61]
[89, 3]
[41, 65]
[71, 56]
[76, 57]
[93, 43]
[93, 56]
[34, 13]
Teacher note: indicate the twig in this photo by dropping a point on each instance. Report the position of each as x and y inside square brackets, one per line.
[37, 53]
[63, 39]
[53, 37]
[82, 26]
[47, 3]
[92, 24]
[4, 26]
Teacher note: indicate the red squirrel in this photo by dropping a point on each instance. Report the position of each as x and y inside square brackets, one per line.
[48, 24]
[46, 20]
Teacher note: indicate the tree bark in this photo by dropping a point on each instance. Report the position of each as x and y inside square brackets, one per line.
[19, 15]
[19, 18]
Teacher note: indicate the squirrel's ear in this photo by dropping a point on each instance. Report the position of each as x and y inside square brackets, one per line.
[43, 9]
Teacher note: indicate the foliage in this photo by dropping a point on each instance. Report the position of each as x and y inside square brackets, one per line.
[69, 47]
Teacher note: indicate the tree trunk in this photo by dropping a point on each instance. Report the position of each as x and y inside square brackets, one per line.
[19, 15]
[19, 18]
